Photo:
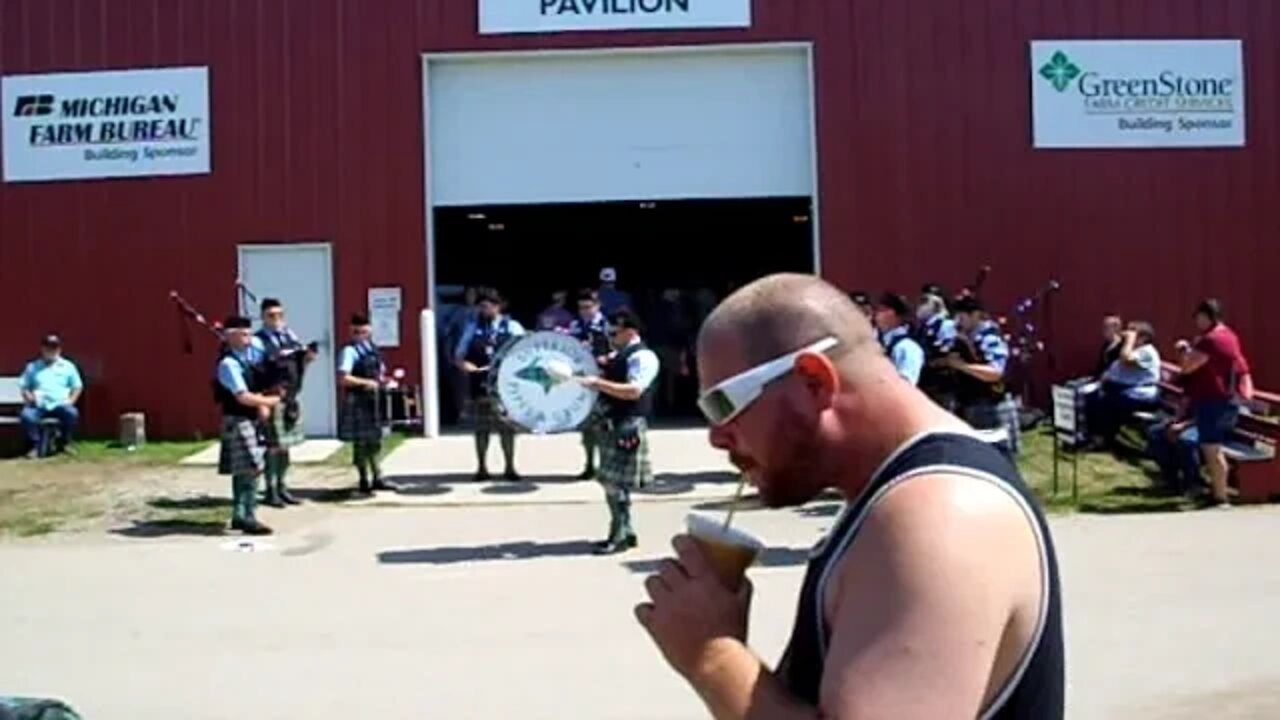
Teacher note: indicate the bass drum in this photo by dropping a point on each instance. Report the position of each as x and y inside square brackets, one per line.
[535, 383]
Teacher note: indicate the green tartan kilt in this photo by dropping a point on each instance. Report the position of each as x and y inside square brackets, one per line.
[241, 452]
[276, 435]
[360, 421]
[594, 428]
[630, 469]
[486, 417]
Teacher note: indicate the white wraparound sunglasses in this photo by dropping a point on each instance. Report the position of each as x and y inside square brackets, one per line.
[731, 396]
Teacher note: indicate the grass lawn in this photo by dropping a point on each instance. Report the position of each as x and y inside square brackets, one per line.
[1107, 484]
[38, 497]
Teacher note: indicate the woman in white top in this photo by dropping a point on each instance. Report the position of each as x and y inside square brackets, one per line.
[1131, 384]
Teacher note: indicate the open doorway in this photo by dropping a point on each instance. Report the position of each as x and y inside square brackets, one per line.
[676, 259]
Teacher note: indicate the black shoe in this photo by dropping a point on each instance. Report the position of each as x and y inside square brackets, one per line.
[253, 527]
[613, 547]
[482, 475]
[587, 474]
[273, 501]
[380, 484]
[250, 527]
[511, 475]
[288, 498]
[365, 488]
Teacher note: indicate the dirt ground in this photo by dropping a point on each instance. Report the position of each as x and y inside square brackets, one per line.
[38, 498]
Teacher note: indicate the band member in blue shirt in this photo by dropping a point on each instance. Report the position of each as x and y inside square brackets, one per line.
[239, 392]
[287, 359]
[485, 334]
[360, 375]
[981, 360]
[893, 320]
[591, 328]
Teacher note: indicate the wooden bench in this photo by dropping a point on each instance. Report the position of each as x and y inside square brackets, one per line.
[1251, 450]
[11, 404]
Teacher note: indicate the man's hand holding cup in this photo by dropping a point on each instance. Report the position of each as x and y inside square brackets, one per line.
[701, 599]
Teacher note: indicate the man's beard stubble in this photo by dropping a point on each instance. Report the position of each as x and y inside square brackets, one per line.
[797, 477]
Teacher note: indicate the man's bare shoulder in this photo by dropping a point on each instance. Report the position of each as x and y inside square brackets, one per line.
[944, 562]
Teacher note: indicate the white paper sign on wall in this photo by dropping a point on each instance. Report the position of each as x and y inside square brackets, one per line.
[119, 123]
[1137, 93]
[534, 16]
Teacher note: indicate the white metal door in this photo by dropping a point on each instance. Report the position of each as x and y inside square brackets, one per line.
[301, 277]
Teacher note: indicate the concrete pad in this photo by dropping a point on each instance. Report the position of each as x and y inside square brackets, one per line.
[438, 471]
[504, 613]
[310, 451]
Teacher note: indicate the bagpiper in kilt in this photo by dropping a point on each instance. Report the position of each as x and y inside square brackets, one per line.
[591, 328]
[484, 335]
[983, 403]
[237, 389]
[286, 360]
[936, 334]
[628, 388]
[360, 371]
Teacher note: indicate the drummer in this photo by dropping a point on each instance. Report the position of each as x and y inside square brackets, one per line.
[591, 328]
[485, 334]
[628, 386]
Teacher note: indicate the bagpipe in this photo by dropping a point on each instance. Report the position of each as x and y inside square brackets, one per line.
[283, 369]
[285, 366]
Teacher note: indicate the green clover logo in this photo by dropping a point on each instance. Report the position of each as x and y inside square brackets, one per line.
[1060, 71]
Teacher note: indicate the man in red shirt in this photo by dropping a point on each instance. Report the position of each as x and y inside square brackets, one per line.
[1216, 378]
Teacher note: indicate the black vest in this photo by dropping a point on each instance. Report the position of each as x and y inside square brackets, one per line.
[928, 334]
[1036, 690]
[616, 371]
[486, 341]
[969, 389]
[595, 334]
[231, 407]
[284, 363]
[368, 364]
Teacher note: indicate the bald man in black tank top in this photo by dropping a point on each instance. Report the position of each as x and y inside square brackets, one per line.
[935, 595]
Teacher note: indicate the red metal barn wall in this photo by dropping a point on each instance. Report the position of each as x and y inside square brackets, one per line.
[926, 169]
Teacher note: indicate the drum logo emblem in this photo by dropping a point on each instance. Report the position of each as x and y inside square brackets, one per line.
[536, 382]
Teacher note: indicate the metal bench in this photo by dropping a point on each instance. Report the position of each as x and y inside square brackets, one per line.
[11, 404]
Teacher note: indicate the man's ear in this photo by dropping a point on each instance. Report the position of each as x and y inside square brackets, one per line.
[819, 373]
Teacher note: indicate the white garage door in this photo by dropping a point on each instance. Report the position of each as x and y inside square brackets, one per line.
[615, 125]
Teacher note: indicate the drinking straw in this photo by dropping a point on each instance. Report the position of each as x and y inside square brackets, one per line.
[737, 499]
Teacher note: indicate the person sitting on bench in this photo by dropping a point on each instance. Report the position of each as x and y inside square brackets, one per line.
[1131, 384]
[51, 385]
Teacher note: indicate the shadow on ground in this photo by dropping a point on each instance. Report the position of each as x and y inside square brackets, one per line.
[201, 515]
[505, 551]
[426, 485]
[771, 558]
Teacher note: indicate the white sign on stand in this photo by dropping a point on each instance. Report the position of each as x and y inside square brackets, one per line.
[384, 315]
[1066, 413]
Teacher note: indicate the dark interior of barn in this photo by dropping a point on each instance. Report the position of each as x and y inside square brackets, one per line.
[701, 249]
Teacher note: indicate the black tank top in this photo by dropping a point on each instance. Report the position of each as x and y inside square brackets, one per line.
[1036, 688]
